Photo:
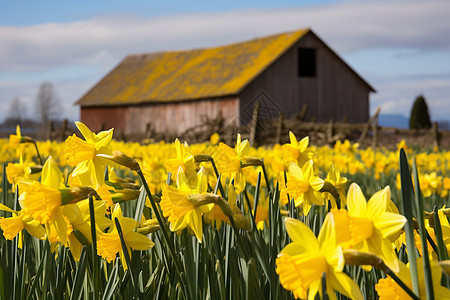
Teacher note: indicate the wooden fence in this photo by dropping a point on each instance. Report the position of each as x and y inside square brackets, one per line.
[276, 131]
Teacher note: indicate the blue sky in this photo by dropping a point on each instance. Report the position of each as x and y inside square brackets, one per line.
[400, 47]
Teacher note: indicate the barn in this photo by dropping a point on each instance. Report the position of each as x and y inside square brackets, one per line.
[174, 90]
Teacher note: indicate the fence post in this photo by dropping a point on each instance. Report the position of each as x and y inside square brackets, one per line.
[279, 128]
[254, 124]
[366, 129]
[302, 114]
[64, 126]
[436, 135]
[330, 132]
[375, 133]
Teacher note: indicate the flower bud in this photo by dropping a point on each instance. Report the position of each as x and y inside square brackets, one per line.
[240, 220]
[123, 160]
[125, 195]
[76, 194]
[251, 161]
[202, 158]
[148, 226]
[354, 257]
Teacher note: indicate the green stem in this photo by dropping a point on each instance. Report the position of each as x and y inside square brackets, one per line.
[218, 177]
[37, 153]
[95, 266]
[165, 233]
[442, 250]
[266, 178]
[125, 251]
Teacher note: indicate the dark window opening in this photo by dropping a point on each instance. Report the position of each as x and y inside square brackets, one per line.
[306, 62]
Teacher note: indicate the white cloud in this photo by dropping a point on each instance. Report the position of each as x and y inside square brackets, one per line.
[397, 96]
[347, 26]
[98, 44]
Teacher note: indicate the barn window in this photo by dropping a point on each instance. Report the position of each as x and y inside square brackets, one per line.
[306, 62]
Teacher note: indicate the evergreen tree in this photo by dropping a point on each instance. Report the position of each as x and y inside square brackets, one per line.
[420, 118]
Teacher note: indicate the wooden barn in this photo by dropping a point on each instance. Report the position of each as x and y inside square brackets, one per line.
[173, 91]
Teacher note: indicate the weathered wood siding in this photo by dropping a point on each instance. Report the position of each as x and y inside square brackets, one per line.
[98, 118]
[177, 117]
[334, 93]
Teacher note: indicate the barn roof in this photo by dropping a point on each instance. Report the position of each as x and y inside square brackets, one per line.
[193, 74]
[188, 75]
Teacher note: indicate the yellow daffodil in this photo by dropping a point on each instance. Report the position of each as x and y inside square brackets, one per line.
[302, 263]
[339, 182]
[388, 289]
[217, 214]
[430, 183]
[21, 170]
[79, 217]
[43, 201]
[297, 151]
[184, 205]
[109, 244]
[184, 159]
[304, 187]
[229, 162]
[19, 221]
[368, 226]
[83, 155]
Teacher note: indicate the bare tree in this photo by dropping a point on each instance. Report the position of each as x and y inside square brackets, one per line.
[46, 105]
[17, 110]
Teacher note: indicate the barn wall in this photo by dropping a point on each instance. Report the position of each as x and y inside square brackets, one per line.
[175, 118]
[333, 93]
[98, 118]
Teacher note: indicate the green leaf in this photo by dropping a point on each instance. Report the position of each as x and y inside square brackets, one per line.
[407, 205]
[79, 276]
[140, 205]
[442, 249]
[423, 234]
[112, 282]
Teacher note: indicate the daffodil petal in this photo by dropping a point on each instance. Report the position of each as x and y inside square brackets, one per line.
[86, 132]
[103, 138]
[356, 202]
[138, 241]
[384, 249]
[376, 206]
[344, 285]
[300, 233]
[390, 224]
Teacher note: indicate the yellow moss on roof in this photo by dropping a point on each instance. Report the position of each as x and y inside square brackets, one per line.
[185, 75]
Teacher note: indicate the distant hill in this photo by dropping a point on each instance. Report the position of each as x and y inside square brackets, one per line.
[398, 121]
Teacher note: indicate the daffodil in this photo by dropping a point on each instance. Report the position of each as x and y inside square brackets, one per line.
[302, 263]
[83, 155]
[43, 201]
[79, 217]
[368, 226]
[217, 214]
[185, 205]
[17, 222]
[339, 182]
[17, 141]
[229, 162]
[297, 151]
[304, 187]
[184, 159]
[109, 243]
[388, 289]
[22, 170]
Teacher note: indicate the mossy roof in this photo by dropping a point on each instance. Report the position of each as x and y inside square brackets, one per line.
[188, 75]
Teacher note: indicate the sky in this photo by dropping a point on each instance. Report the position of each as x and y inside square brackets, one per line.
[402, 48]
